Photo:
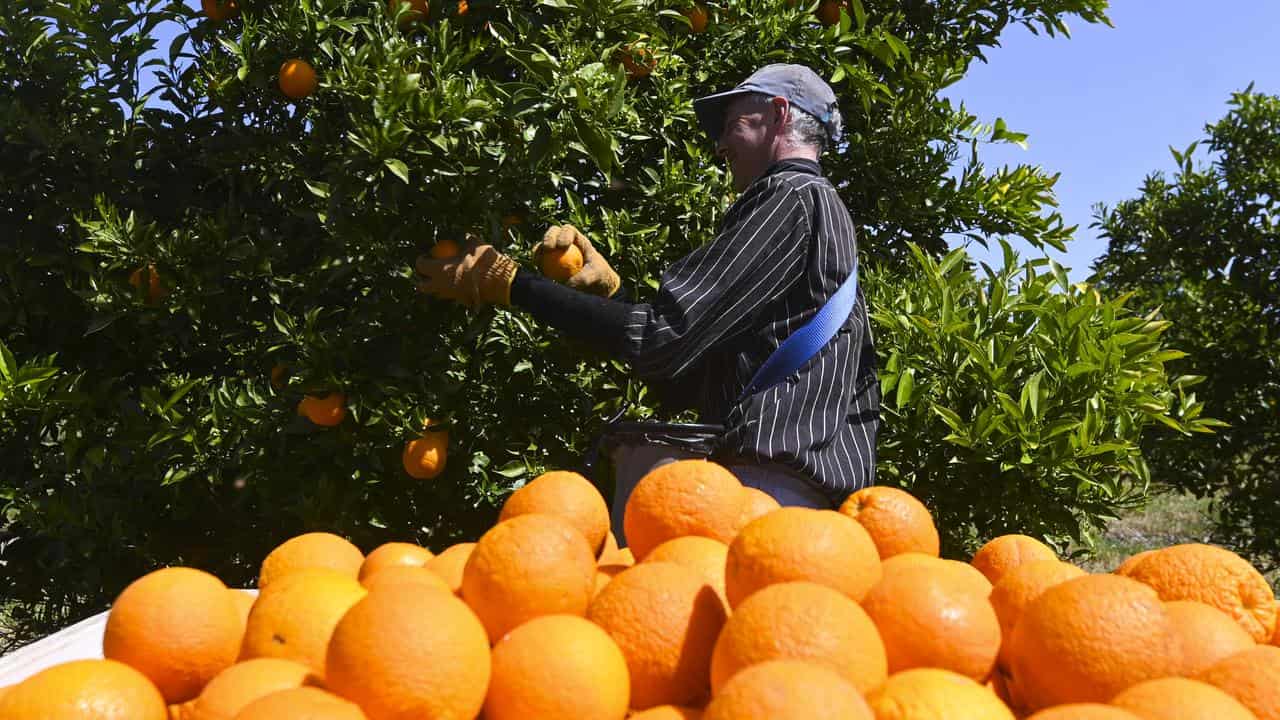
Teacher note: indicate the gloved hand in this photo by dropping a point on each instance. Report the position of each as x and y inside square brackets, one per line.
[595, 277]
[481, 275]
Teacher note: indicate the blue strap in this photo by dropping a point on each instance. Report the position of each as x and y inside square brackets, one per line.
[804, 343]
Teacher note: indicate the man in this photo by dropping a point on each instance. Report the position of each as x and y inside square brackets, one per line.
[784, 248]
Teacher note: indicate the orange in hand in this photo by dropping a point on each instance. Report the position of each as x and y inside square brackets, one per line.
[445, 249]
[562, 263]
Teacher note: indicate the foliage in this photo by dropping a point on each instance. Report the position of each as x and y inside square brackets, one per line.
[1204, 246]
[1015, 402]
[138, 134]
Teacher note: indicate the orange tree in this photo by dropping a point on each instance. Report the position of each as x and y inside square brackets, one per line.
[210, 213]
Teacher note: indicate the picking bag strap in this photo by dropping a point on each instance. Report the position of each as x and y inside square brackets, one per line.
[803, 344]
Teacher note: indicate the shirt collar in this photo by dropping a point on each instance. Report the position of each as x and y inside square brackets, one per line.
[803, 165]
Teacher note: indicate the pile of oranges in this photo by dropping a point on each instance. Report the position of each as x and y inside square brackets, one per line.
[724, 606]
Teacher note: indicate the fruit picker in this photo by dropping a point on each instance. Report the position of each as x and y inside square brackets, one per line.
[762, 330]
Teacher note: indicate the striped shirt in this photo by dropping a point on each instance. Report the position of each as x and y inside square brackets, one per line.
[784, 247]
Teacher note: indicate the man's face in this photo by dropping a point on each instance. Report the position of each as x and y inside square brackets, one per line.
[746, 142]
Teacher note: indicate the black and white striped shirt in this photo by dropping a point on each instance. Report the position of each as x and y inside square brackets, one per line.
[783, 249]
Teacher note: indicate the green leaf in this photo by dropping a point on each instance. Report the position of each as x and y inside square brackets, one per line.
[398, 168]
[513, 470]
[8, 365]
[906, 386]
[180, 393]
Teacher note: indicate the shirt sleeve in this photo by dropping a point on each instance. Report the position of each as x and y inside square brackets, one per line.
[716, 292]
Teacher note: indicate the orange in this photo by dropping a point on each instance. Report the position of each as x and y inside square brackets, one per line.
[1087, 639]
[219, 10]
[788, 690]
[934, 694]
[698, 17]
[1252, 677]
[309, 551]
[528, 566]
[445, 249]
[685, 497]
[392, 554]
[324, 410]
[1178, 698]
[178, 626]
[560, 264]
[182, 711]
[425, 456]
[828, 12]
[665, 619]
[243, 602]
[1008, 552]
[279, 376]
[294, 617]
[932, 619]
[1084, 711]
[758, 503]
[966, 573]
[568, 495]
[410, 655]
[155, 289]
[1132, 562]
[668, 712]
[584, 677]
[638, 61]
[801, 621]
[244, 682]
[1206, 633]
[898, 523]
[1216, 577]
[702, 555]
[303, 703]
[797, 543]
[403, 576]
[297, 78]
[610, 549]
[448, 565]
[605, 574]
[84, 690]
[1019, 587]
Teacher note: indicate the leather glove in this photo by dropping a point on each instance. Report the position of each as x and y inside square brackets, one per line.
[595, 277]
[482, 275]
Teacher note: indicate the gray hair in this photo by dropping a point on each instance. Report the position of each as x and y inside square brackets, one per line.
[804, 128]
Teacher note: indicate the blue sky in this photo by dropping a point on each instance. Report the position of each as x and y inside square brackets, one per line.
[1103, 106]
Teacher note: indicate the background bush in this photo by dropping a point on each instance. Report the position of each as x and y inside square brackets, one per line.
[139, 431]
[1203, 245]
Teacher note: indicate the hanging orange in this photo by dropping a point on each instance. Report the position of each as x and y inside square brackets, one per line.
[297, 78]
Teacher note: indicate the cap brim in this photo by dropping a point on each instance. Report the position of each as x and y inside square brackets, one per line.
[711, 109]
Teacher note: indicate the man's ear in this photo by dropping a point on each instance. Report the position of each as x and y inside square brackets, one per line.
[782, 110]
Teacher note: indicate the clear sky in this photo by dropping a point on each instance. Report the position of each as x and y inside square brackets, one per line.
[1103, 106]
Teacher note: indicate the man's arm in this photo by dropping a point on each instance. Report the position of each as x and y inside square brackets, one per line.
[710, 295]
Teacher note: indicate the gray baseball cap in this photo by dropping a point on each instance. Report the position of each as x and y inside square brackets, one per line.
[801, 87]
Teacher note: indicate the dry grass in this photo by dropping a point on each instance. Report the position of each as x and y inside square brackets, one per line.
[1170, 518]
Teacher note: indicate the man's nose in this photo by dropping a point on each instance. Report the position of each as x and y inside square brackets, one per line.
[722, 150]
